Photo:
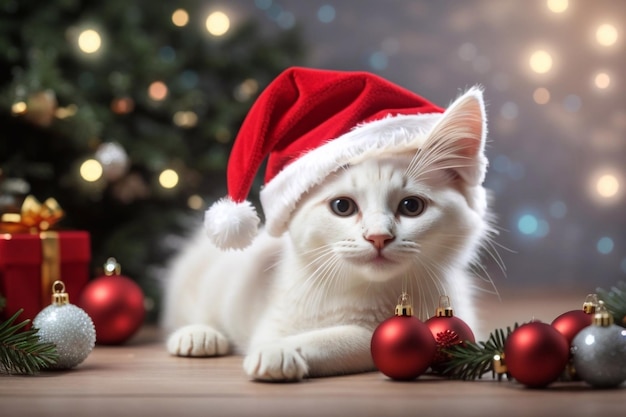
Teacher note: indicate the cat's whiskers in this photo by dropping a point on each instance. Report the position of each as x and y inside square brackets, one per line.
[326, 277]
[434, 286]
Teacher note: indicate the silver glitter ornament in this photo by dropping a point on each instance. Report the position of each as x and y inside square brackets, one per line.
[599, 352]
[68, 327]
[114, 160]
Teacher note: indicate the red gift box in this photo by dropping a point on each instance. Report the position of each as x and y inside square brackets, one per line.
[31, 262]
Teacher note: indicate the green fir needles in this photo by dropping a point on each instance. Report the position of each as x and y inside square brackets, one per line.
[21, 352]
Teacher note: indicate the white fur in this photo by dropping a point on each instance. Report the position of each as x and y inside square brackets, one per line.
[305, 304]
[231, 225]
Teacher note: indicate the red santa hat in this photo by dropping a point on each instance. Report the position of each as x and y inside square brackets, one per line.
[308, 123]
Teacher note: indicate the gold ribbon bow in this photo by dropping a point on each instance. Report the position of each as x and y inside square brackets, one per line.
[33, 216]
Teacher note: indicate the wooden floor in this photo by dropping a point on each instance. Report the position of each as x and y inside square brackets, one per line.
[140, 379]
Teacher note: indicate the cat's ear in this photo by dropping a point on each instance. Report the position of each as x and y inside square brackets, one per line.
[457, 141]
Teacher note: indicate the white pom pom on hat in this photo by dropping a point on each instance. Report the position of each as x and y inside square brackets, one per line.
[308, 123]
[230, 224]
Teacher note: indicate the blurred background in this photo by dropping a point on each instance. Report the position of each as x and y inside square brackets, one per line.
[125, 111]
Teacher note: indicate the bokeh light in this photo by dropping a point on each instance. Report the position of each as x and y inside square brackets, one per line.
[558, 6]
[122, 105]
[91, 170]
[89, 41]
[572, 103]
[605, 245]
[157, 91]
[467, 51]
[528, 224]
[378, 61]
[168, 178]
[541, 95]
[509, 110]
[217, 23]
[607, 186]
[602, 80]
[195, 202]
[180, 17]
[540, 61]
[532, 225]
[246, 90]
[185, 119]
[326, 13]
[19, 108]
[606, 34]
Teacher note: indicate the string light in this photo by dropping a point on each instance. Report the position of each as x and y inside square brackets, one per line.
[217, 23]
[91, 170]
[605, 245]
[89, 41]
[223, 134]
[180, 17]
[244, 91]
[185, 118]
[557, 6]
[168, 178]
[19, 108]
[606, 34]
[157, 91]
[65, 112]
[607, 186]
[531, 225]
[122, 105]
[540, 61]
[195, 202]
[602, 80]
[541, 95]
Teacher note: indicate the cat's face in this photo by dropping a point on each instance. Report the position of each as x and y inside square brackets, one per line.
[376, 221]
[412, 214]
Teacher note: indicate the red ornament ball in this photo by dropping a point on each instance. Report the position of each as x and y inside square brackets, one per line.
[536, 354]
[571, 323]
[448, 331]
[115, 303]
[402, 347]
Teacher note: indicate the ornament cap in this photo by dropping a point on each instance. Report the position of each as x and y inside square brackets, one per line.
[112, 267]
[498, 364]
[59, 296]
[404, 306]
[602, 317]
[444, 309]
[591, 303]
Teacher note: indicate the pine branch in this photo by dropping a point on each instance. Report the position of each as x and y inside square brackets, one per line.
[22, 352]
[469, 361]
[615, 302]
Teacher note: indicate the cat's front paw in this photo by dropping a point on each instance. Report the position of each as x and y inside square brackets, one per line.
[197, 340]
[275, 362]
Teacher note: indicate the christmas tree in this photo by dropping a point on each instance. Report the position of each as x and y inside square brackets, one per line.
[124, 112]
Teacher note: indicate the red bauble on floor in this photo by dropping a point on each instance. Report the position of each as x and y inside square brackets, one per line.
[536, 354]
[402, 346]
[569, 324]
[448, 330]
[115, 303]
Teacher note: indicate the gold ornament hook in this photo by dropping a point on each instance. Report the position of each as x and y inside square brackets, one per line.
[59, 296]
[602, 317]
[444, 309]
[591, 303]
[112, 267]
[404, 306]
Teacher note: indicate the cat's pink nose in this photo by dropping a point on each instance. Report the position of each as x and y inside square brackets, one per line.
[379, 241]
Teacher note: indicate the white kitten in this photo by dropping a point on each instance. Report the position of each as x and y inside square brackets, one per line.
[306, 304]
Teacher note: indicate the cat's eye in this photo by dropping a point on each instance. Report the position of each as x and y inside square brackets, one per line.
[343, 206]
[411, 206]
